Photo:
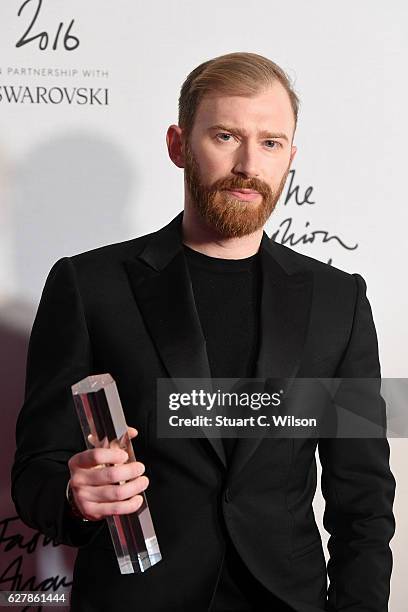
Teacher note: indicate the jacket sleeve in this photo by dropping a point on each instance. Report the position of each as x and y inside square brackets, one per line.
[48, 431]
[359, 489]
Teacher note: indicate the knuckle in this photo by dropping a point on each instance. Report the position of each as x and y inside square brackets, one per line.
[92, 477]
[135, 488]
[96, 514]
[78, 495]
[74, 462]
[112, 474]
[134, 472]
[97, 455]
[90, 511]
[116, 508]
[74, 481]
[85, 507]
[118, 493]
[128, 490]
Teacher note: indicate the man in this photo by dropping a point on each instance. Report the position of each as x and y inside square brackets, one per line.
[209, 295]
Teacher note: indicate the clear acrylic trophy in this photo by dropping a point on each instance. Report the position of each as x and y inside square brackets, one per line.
[103, 424]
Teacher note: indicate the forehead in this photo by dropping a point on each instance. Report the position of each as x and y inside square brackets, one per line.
[269, 109]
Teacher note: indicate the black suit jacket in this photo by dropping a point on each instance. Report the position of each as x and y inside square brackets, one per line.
[128, 309]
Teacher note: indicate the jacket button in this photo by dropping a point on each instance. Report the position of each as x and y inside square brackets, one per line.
[227, 495]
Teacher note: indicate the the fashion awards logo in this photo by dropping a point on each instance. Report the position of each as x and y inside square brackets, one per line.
[288, 231]
[45, 36]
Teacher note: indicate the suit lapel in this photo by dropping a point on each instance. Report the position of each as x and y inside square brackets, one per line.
[285, 305]
[162, 287]
[284, 316]
[167, 305]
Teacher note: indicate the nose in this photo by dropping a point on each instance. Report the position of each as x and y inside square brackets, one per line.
[246, 162]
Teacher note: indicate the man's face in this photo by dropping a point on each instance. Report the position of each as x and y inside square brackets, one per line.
[239, 143]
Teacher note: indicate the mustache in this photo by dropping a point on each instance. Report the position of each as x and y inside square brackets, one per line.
[253, 185]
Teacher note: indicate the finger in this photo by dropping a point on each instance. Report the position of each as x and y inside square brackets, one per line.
[132, 431]
[96, 511]
[112, 493]
[97, 456]
[108, 474]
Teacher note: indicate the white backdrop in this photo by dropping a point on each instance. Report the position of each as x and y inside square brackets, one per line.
[86, 164]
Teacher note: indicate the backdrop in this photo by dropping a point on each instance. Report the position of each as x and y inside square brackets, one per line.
[87, 92]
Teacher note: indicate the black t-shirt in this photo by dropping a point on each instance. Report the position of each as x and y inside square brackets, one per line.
[226, 293]
[227, 296]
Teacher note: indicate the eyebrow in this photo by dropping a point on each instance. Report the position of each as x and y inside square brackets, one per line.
[262, 133]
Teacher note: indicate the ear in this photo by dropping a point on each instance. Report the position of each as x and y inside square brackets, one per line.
[174, 142]
[293, 153]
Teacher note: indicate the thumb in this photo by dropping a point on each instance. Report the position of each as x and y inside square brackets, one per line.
[132, 431]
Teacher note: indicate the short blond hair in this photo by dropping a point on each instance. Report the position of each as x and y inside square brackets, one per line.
[239, 74]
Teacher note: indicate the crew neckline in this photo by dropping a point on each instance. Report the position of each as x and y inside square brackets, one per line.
[208, 261]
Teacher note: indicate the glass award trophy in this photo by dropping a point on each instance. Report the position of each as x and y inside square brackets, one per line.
[103, 424]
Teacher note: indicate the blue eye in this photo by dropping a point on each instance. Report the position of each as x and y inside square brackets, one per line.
[276, 144]
[224, 134]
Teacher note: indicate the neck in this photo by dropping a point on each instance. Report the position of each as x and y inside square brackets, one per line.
[198, 235]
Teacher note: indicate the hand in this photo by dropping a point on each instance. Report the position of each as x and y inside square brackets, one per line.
[95, 485]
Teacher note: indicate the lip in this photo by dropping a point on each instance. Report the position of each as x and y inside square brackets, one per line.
[244, 194]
